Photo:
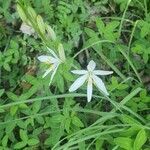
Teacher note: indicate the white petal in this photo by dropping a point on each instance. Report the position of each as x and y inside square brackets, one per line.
[102, 72]
[47, 72]
[52, 52]
[79, 82]
[80, 72]
[91, 66]
[99, 83]
[52, 76]
[89, 90]
[46, 59]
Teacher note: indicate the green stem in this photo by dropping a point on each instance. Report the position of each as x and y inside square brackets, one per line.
[145, 7]
[123, 18]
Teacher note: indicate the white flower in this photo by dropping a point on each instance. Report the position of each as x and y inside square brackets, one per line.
[53, 62]
[91, 76]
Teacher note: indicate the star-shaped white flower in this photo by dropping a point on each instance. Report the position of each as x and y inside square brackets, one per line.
[53, 61]
[91, 76]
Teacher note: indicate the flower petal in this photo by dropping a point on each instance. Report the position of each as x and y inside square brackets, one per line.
[80, 72]
[52, 76]
[47, 72]
[52, 52]
[46, 59]
[91, 66]
[89, 90]
[79, 82]
[102, 72]
[99, 83]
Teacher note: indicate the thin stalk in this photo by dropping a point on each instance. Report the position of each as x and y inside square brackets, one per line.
[145, 7]
[122, 19]
[85, 48]
[130, 63]
[129, 45]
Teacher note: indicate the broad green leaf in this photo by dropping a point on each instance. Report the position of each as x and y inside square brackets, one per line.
[22, 124]
[23, 106]
[99, 144]
[12, 96]
[8, 53]
[100, 25]
[13, 110]
[145, 29]
[33, 142]
[23, 135]
[14, 44]
[143, 93]
[142, 105]
[54, 137]
[140, 139]
[112, 26]
[90, 32]
[30, 79]
[10, 127]
[30, 92]
[77, 122]
[20, 145]
[57, 118]
[109, 35]
[67, 124]
[68, 76]
[7, 67]
[90, 41]
[60, 82]
[129, 120]
[40, 120]
[132, 131]
[124, 142]
[67, 64]
[5, 140]
[36, 106]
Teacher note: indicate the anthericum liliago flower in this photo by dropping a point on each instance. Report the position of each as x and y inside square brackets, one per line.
[91, 76]
[53, 61]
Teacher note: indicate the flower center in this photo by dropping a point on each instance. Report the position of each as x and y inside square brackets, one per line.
[90, 74]
[48, 64]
